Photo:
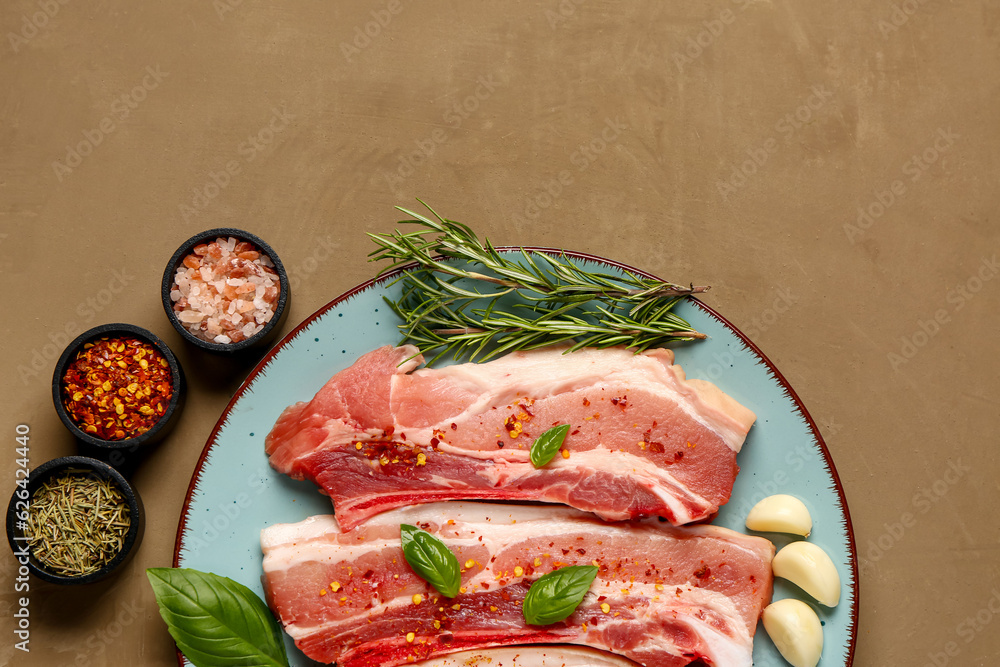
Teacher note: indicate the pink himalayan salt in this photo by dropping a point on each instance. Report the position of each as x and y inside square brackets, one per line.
[225, 291]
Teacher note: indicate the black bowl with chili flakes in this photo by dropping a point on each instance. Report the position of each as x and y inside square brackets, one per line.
[19, 524]
[195, 248]
[118, 388]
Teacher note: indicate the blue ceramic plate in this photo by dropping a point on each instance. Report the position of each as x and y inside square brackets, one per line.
[234, 493]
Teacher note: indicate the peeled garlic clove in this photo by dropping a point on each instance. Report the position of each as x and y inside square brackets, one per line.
[795, 630]
[810, 568]
[780, 514]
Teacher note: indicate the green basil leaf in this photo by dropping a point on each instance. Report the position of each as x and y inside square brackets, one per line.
[215, 621]
[547, 445]
[556, 595]
[431, 560]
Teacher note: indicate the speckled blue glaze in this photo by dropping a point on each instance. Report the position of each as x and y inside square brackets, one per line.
[234, 493]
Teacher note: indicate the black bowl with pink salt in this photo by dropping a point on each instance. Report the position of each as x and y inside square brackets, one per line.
[225, 290]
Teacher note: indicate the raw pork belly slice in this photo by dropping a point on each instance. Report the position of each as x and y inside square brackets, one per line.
[644, 440]
[549, 656]
[673, 595]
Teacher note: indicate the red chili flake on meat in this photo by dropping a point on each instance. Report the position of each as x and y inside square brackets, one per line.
[602, 598]
[703, 572]
[585, 402]
[582, 552]
[656, 447]
[434, 442]
[614, 401]
[526, 410]
[485, 584]
[575, 432]
[565, 551]
[753, 579]
[369, 574]
[500, 444]
[678, 456]
[389, 431]
[454, 426]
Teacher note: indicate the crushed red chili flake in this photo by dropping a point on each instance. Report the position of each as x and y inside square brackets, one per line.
[117, 388]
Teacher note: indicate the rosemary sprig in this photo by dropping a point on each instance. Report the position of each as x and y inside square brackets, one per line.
[555, 300]
[549, 279]
[486, 332]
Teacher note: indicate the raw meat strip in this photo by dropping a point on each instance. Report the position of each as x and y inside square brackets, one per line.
[644, 440]
[664, 596]
[545, 656]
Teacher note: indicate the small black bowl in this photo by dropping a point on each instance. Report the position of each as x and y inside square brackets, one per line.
[16, 514]
[262, 337]
[119, 452]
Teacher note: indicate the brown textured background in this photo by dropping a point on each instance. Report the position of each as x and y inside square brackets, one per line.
[691, 90]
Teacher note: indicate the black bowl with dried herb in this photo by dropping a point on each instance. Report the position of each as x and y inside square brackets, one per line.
[117, 388]
[74, 520]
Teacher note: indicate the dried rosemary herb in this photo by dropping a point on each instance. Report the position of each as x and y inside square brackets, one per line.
[77, 523]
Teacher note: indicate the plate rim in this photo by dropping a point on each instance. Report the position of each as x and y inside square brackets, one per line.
[799, 407]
